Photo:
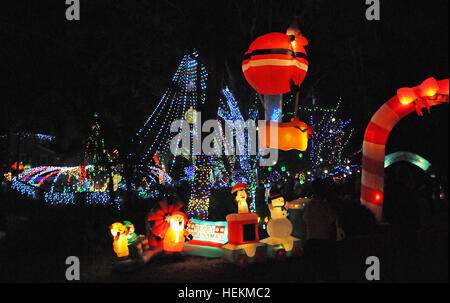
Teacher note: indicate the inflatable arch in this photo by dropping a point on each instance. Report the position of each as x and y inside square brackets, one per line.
[429, 93]
[412, 158]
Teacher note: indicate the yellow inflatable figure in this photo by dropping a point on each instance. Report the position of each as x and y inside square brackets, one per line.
[287, 135]
[120, 244]
[239, 193]
[175, 235]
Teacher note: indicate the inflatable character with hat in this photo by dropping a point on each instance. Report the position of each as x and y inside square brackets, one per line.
[243, 237]
[279, 227]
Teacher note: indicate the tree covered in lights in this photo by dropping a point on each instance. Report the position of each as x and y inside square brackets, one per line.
[326, 154]
[152, 142]
[95, 151]
[187, 90]
[96, 154]
[230, 168]
[186, 94]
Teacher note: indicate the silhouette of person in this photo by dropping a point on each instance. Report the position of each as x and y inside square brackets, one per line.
[401, 211]
[320, 220]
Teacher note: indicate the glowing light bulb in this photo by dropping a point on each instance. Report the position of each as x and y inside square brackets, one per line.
[406, 95]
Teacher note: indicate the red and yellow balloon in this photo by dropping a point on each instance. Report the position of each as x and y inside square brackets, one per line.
[274, 63]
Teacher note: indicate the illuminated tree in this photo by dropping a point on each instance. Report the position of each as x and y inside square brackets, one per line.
[95, 151]
[327, 146]
[185, 94]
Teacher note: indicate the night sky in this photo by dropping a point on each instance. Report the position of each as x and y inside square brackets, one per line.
[119, 59]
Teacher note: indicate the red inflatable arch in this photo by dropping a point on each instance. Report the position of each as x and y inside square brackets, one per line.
[429, 93]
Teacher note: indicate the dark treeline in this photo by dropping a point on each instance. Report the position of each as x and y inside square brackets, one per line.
[119, 59]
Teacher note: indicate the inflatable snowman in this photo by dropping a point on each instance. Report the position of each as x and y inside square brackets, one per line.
[279, 228]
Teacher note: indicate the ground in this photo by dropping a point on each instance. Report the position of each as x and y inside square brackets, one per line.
[432, 267]
[38, 242]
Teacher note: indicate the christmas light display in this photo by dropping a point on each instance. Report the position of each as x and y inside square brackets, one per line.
[187, 91]
[14, 166]
[179, 102]
[200, 188]
[191, 115]
[412, 158]
[58, 190]
[57, 198]
[231, 168]
[24, 189]
[41, 138]
[327, 144]
[407, 100]
[203, 172]
[61, 185]
[8, 176]
[326, 154]
[96, 152]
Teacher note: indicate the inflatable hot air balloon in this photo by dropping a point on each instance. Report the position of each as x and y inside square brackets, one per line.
[275, 64]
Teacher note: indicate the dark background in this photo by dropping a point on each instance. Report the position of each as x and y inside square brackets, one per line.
[119, 58]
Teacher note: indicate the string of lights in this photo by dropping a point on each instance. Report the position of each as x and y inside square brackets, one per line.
[328, 143]
[40, 137]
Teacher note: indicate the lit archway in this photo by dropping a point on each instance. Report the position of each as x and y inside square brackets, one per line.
[412, 158]
[407, 100]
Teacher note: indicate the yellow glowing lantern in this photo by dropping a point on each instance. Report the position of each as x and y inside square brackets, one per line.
[190, 115]
[120, 244]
